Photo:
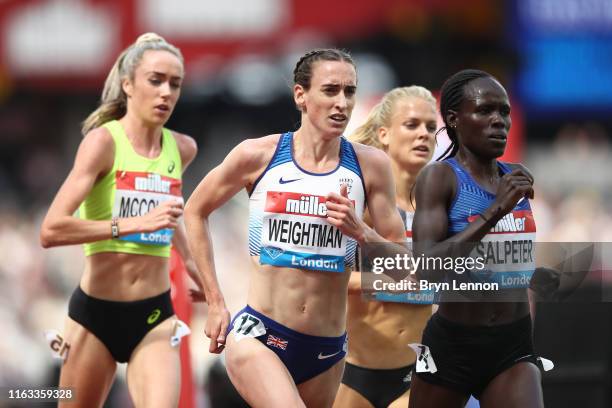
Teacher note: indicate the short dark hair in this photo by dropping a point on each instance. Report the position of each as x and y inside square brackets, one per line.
[452, 94]
[302, 73]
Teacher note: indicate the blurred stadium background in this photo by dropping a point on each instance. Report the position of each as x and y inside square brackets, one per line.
[553, 56]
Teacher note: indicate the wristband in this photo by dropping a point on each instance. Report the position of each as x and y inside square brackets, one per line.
[115, 227]
[488, 222]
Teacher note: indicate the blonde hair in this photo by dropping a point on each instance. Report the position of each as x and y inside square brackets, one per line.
[382, 112]
[113, 104]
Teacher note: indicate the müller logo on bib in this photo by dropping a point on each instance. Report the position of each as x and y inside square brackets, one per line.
[153, 182]
[296, 203]
[148, 182]
[516, 221]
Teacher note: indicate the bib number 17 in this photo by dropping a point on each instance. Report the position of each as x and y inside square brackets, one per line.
[247, 325]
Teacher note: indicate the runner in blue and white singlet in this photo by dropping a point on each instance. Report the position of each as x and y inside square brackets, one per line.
[307, 191]
[508, 248]
[287, 212]
[473, 205]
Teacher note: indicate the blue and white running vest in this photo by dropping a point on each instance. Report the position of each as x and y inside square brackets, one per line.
[288, 217]
[423, 297]
[508, 248]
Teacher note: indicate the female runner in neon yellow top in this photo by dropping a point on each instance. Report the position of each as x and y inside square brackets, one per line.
[127, 179]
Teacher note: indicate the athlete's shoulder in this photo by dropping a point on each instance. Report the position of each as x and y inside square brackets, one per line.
[268, 142]
[97, 150]
[437, 168]
[98, 142]
[187, 146]
[438, 175]
[254, 153]
[370, 156]
[99, 136]
[184, 141]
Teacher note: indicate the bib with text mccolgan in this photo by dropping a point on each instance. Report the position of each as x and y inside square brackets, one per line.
[137, 193]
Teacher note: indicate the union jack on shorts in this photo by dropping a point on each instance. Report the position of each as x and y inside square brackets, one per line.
[277, 342]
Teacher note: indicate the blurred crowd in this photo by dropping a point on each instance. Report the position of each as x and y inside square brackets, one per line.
[573, 185]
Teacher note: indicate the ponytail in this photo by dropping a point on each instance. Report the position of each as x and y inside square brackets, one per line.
[113, 104]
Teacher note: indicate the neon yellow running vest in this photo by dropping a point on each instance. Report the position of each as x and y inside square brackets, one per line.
[134, 186]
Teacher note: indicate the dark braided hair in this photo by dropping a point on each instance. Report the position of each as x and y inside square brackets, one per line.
[452, 94]
[303, 69]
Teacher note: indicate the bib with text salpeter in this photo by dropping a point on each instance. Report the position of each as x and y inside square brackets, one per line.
[508, 250]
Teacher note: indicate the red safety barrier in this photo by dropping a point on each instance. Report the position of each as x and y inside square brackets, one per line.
[182, 308]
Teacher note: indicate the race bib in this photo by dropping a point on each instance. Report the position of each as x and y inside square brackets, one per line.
[424, 297]
[247, 325]
[424, 362]
[137, 193]
[508, 251]
[59, 346]
[296, 233]
[181, 329]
